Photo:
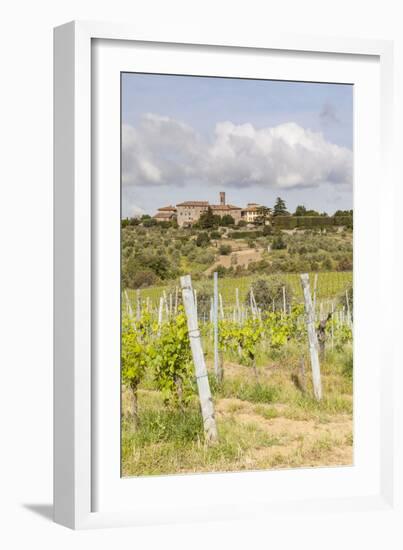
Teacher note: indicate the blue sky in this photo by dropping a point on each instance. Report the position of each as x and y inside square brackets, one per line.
[190, 137]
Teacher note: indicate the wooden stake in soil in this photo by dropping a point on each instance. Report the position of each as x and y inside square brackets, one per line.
[160, 314]
[176, 300]
[315, 284]
[221, 307]
[203, 386]
[217, 367]
[166, 304]
[253, 303]
[128, 305]
[238, 309]
[138, 309]
[312, 336]
[348, 310]
[195, 298]
[332, 325]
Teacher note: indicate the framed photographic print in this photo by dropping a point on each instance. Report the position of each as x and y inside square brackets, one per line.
[213, 256]
[219, 237]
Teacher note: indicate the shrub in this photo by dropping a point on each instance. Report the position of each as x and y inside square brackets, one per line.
[141, 279]
[202, 239]
[222, 271]
[291, 222]
[345, 264]
[208, 220]
[227, 219]
[204, 291]
[278, 243]
[247, 234]
[149, 222]
[268, 291]
[327, 264]
[225, 249]
[205, 257]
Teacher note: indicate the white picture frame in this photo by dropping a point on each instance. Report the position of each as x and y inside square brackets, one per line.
[79, 435]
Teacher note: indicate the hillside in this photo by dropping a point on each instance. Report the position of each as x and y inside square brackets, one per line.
[157, 255]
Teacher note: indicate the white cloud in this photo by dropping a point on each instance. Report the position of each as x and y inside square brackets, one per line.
[162, 150]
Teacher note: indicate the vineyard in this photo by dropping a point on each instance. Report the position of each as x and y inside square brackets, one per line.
[237, 374]
[329, 286]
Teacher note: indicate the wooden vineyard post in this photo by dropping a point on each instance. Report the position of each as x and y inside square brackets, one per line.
[348, 310]
[284, 302]
[138, 308]
[332, 325]
[217, 366]
[315, 284]
[195, 297]
[238, 309]
[128, 305]
[312, 336]
[251, 301]
[211, 311]
[160, 314]
[253, 305]
[221, 307]
[164, 294]
[203, 386]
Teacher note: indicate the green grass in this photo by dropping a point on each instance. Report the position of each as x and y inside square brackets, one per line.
[169, 425]
[246, 391]
[171, 442]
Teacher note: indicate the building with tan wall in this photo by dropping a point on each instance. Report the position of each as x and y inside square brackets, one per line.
[165, 214]
[227, 209]
[189, 212]
[251, 212]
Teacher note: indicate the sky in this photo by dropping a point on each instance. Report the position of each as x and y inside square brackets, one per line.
[190, 137]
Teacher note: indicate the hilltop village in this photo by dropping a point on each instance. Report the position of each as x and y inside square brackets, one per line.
[189, 212]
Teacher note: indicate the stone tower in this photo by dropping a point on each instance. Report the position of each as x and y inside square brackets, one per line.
[222, 198]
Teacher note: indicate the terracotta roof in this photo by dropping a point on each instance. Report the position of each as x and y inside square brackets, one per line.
[251, 208]
[167, 209]
[163, 215]
[224, 207]
[193, 203]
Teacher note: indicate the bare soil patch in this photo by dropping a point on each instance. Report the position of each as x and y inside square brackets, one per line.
[297, 442]
[240, 257]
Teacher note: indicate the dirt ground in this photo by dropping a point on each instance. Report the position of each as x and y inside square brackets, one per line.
[240, 257]
[295, 436]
